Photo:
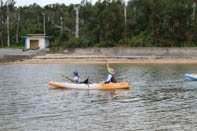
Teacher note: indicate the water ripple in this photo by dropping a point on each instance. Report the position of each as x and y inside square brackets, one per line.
[159, 99]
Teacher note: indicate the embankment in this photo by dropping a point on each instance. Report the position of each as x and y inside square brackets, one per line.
[9, 55]
[152, 52]
[113, 55]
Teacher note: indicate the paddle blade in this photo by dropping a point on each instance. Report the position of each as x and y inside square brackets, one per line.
[63, 75]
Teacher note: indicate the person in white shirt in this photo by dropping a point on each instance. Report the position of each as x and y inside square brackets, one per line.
[111, 75]
[76, 77]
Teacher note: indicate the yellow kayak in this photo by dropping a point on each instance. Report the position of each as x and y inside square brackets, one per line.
[94, 86]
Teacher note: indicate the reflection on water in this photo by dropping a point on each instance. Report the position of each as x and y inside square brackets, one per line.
[159, 99]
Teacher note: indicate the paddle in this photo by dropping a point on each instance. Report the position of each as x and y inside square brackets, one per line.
[110, 71]
[63, 75]
[106, 63]
[84, 82]
[103, 82]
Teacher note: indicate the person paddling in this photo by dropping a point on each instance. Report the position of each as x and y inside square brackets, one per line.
[111, 75]
[75, 79]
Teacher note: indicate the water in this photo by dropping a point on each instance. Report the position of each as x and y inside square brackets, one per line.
[159, 99]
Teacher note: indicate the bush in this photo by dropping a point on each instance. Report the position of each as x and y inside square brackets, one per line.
[101, 44]
[75, 43]
[142, 40]
[15, 46]
[188, 44]
[56, 43]
[55, 49]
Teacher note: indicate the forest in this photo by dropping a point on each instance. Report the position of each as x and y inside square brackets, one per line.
[106, 23]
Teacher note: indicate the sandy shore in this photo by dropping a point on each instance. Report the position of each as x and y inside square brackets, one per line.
[99, 59]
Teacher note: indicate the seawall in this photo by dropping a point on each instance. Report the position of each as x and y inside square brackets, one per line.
[8, 55]
[152, 52]
[97, 55]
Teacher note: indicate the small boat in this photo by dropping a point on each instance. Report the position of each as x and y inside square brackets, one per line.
[192, 76]
[94, 86]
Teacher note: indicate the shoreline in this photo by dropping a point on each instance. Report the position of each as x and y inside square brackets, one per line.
[116, 55]
[100, 59]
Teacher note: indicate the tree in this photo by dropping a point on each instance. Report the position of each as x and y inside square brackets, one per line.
[2, 21]
[18, 26]
[77, 22]
[107, 23]
[8, 23]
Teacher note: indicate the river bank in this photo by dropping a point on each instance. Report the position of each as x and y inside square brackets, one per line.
[98, 59]
[113, 55]
[11, 55]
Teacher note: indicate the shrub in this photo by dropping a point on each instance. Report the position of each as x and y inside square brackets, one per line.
[75, 43]
[142, 40]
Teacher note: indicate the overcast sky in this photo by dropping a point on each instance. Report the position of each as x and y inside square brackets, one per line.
[46, 2]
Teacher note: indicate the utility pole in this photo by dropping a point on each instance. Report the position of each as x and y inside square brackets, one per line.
[44, 23]
[8, 23]
[77, 22]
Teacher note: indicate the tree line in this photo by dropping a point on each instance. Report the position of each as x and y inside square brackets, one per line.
[107, 23]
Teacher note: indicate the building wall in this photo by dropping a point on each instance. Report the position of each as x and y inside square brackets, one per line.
[47, 42]
[41, 42]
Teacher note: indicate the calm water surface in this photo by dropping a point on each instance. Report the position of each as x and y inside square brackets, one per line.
[159, 99]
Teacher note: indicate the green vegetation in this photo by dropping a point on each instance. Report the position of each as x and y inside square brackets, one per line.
[149, 23]
[19, 46]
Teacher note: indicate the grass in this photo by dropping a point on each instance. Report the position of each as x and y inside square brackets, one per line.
[13, 47]
[188, 44]
[55, 49]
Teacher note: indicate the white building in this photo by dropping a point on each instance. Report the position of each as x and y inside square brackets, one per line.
[36, 41]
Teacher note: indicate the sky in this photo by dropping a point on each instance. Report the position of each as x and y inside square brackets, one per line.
[46, 2]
